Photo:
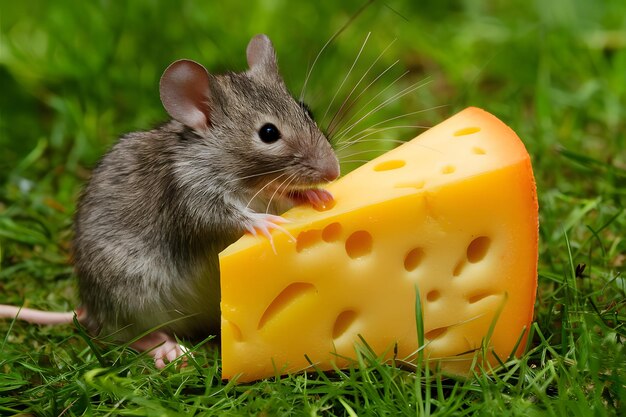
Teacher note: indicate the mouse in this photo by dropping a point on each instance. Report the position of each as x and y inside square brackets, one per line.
[162, 204]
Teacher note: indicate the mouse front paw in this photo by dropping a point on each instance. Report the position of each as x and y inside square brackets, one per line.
[264, 224]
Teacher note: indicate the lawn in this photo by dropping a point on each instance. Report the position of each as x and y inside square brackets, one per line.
[75, 75]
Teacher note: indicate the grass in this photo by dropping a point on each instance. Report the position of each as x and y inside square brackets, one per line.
[75, 75]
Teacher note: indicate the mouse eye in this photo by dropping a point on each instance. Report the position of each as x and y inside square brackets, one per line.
[306, 109]
[269, 133]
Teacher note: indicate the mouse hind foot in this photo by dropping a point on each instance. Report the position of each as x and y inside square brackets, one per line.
[162, 347]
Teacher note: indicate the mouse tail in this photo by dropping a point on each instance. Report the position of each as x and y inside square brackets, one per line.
[36, 316]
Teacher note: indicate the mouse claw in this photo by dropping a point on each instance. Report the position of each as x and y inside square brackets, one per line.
[263, 223]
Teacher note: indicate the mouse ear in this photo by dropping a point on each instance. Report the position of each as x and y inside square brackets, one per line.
[261, 55]
[184, 90]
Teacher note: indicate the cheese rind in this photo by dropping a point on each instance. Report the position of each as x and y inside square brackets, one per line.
[452, 212]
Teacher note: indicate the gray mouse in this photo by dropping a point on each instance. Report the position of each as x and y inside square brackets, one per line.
[162, 204]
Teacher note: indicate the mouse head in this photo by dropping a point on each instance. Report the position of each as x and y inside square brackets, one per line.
[269, 139]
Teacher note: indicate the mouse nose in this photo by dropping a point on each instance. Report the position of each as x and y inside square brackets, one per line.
[330, 171]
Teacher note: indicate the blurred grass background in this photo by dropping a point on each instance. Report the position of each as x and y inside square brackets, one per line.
[74, 75]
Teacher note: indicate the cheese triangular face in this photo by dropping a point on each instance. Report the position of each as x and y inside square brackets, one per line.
[452, 213]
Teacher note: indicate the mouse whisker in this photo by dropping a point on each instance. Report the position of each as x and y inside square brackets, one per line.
[369, 151]
[365, 152]
[262, 188]
[356, 59]
[328, 42]
[317, 57]
[284, 184]
[381, 139]
[381, 151]
[369, 132]
[340, 122]
[255, 175]
[288, 182]
[380, 106]
[388, 120]
[354, 161]
[363, 107]
[377, 140]
[402, 93]
[335, 121]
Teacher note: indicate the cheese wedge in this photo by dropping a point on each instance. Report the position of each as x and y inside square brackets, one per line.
[451, 216]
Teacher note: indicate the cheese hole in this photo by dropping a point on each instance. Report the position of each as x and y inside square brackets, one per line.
[359, 244]
[458, 268]
[467, 131]
[448, 169]
[435, 333]
[413, 259]
[286, 298]
[477, 297]
[433, 295]
[478, 151]
[418, 185]
[307, 239]
[389, 165]
[236, 331]
[331, 233]
[477, 249]
[343, 322]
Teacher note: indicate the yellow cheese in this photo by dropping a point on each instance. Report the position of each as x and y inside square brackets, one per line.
[452, 212]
